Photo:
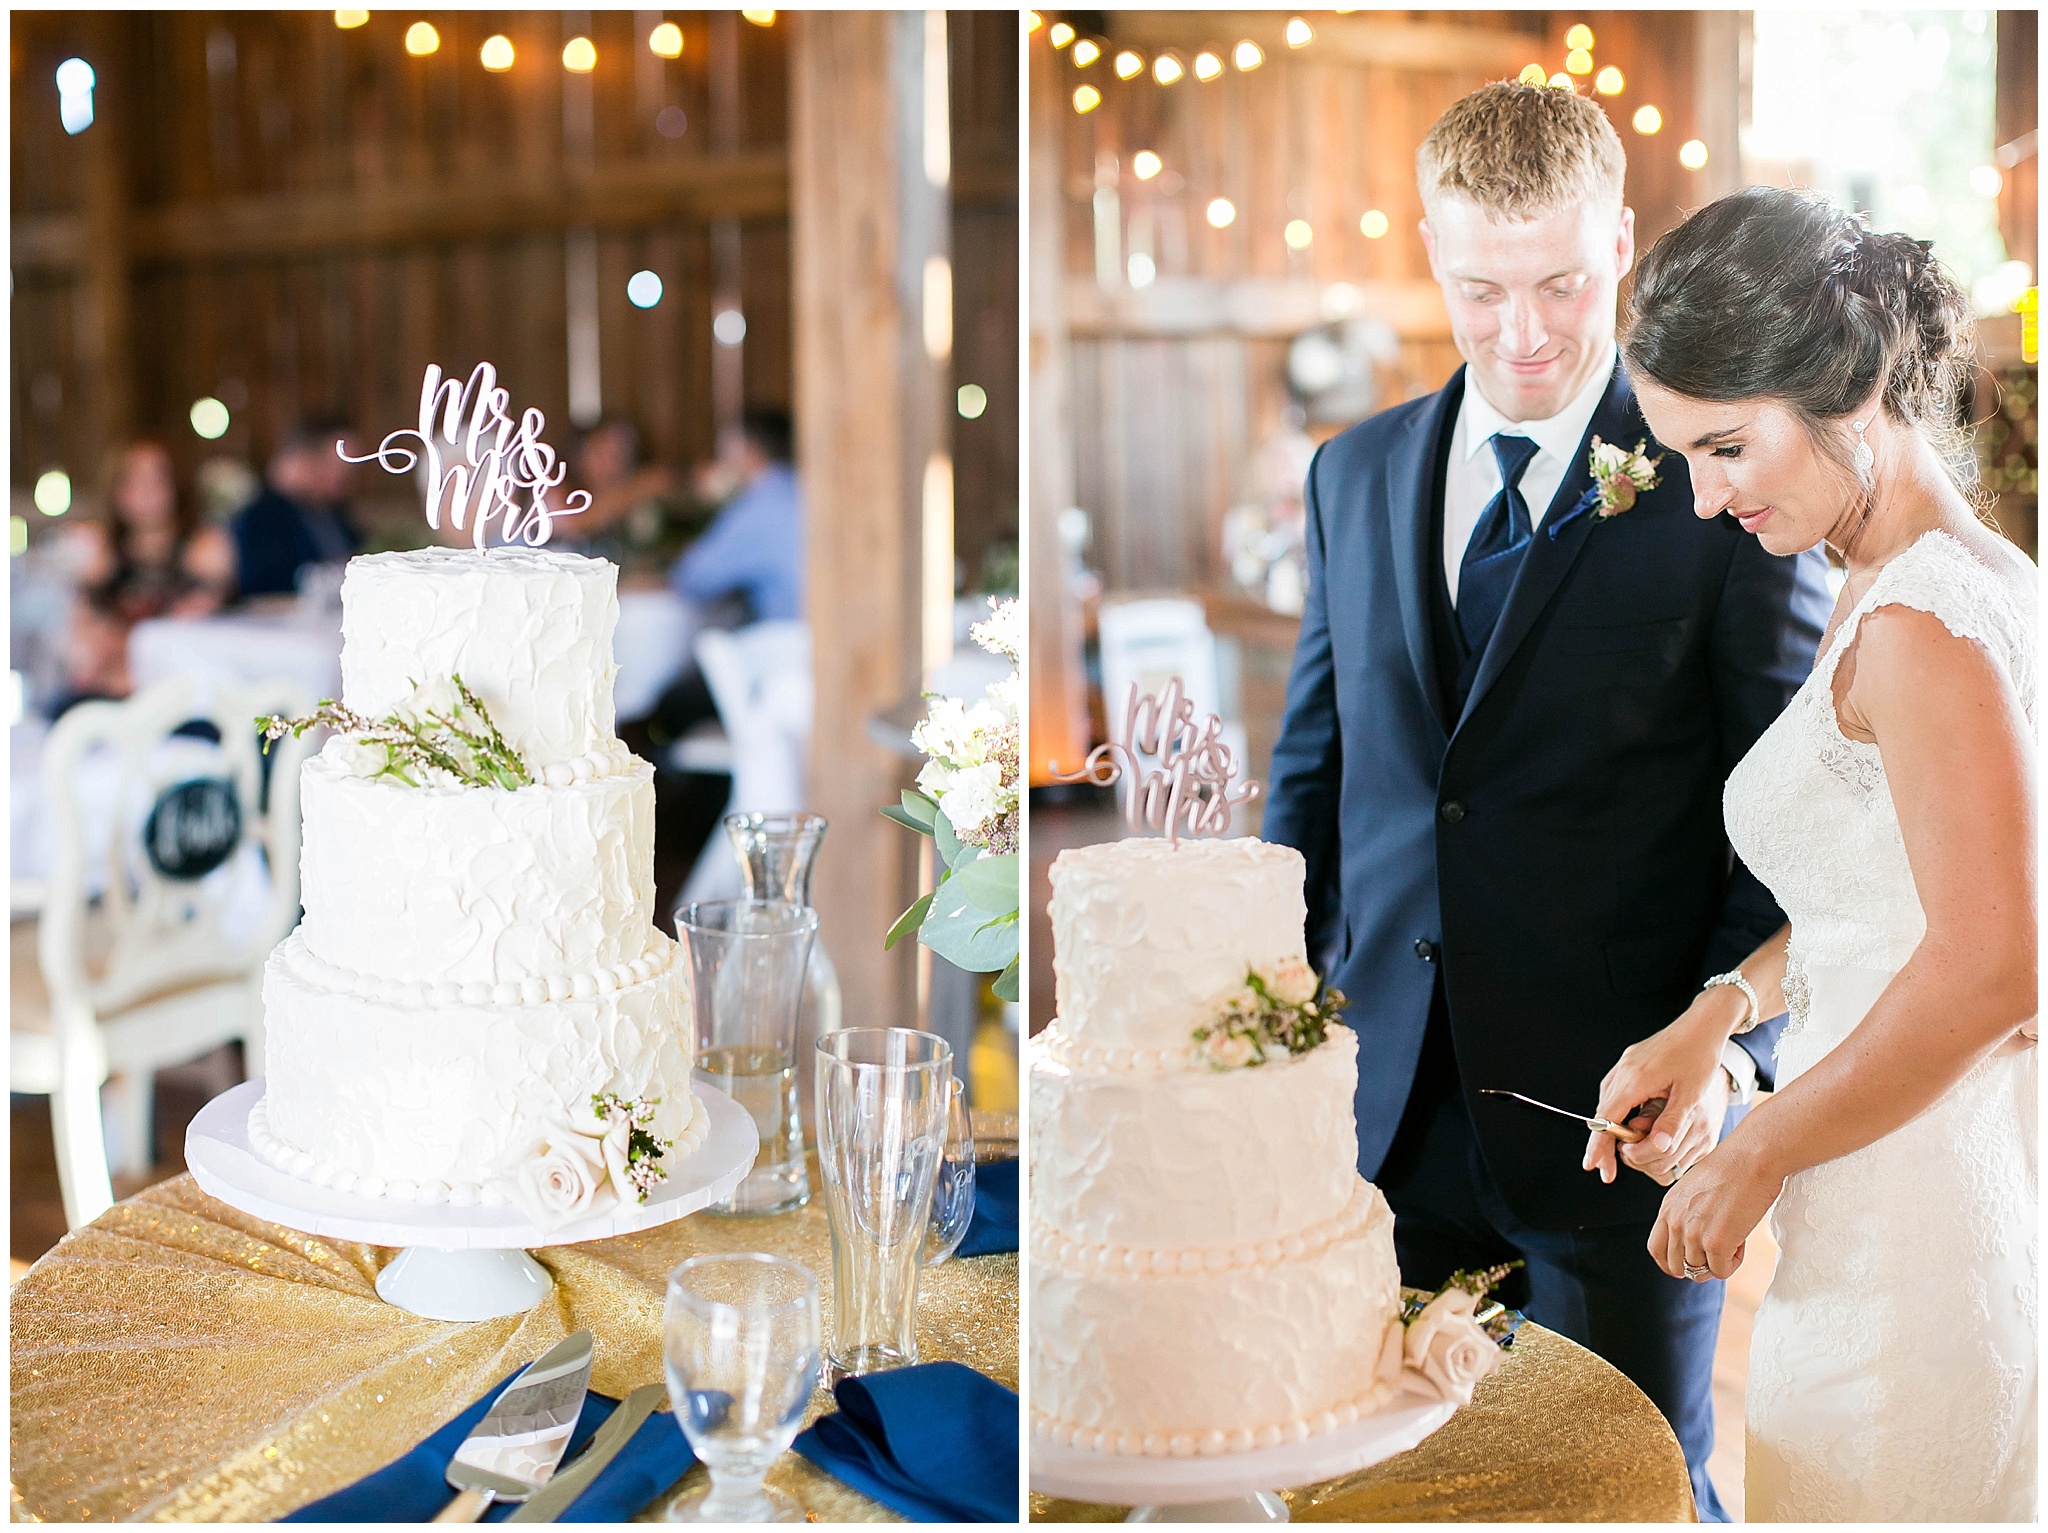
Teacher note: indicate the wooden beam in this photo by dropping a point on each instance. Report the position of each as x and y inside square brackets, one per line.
[861, 507]
[1382, 42]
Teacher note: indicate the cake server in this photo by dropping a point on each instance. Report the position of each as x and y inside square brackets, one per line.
[1620, 1131]
[514, 1450]
[557, 1495]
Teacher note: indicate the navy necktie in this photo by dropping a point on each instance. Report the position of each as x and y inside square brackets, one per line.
[1495, 553]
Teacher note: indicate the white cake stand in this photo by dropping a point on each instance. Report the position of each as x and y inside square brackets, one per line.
[459, 1262]
[1229, 1487]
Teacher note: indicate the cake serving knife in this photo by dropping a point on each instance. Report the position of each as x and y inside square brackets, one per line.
[1620, 1131]
[513, 1451]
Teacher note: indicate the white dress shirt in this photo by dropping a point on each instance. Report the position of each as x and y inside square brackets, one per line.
[1472, 479]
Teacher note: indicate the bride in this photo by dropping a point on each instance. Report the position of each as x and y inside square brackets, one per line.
[1810, 372]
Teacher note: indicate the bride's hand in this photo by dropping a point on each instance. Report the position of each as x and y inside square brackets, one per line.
[1706, 1218]
[1682, 1065]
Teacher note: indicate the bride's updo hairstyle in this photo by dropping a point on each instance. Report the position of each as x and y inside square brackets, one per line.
[1775, 294]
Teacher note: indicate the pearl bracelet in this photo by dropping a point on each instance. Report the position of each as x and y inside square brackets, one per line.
[1756, 1012]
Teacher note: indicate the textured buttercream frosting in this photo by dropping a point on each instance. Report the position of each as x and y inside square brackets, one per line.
[1147, 936]
[530, 632]
[1209, 1272]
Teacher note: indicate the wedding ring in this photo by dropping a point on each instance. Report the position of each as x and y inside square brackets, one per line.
[1696, 1273]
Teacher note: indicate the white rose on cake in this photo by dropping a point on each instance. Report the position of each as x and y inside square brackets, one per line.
[438, 698]
[1447, 1349]
[567, 1180]
[1293, 981]
[356, 758]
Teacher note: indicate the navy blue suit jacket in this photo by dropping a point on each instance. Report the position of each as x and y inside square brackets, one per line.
[274, 541]
[1557, 848]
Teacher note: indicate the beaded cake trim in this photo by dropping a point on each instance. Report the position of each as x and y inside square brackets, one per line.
[1213, 1440]
[1092, 1257]
[534, 990]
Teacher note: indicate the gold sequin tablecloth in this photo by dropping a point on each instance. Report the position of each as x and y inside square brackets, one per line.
[1558, 1435]
[179, 1360]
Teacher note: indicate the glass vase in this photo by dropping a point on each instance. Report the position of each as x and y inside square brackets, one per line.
[777, 854]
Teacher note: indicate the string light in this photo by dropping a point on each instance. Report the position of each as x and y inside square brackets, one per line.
[760, 18]
[1086, 52]
[1609, 81]
[1222, 213]
[74, 95]
[1129, 65]
[1061, 34]
[1299, 33]
[970, 401]
[1087, 99]
[1167, 69]
[1561, 81]
[1207, 65]
[1692, 154]
[348, 21]
[1247, 56]
[1578, 62]
[1298, 234]
[1142, 269]
[1145, 164]
[1033, 21]
[1374, 225]
[1532, 74]
[421, 39]
[53, 492]
[1985, 181]
[643, 289]
[209, 418]
[1580, 36]
[497, 54]
[666, 40]
[1648, 120]
[579, 55]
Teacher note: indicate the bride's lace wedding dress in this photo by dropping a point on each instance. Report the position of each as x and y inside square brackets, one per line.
[1893, 1367]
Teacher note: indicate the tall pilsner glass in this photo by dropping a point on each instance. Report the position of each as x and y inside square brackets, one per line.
[747, 960]
[777, 854]
[882, 1099]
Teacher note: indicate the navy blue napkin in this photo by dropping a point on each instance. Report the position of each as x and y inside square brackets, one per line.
[416, 1487]
[937, 1442]
[994, 1225]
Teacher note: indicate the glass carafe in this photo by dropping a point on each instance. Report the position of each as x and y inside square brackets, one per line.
[777, 853]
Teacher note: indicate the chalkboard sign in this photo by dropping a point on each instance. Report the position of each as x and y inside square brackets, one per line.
[193, 828]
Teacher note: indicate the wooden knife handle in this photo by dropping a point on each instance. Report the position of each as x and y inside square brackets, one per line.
[470, 1506]
[1652, 1108]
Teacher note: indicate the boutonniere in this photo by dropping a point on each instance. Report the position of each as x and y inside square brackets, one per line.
[1620, 475]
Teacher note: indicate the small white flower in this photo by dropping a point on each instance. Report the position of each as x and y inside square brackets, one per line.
[356, 758]
[566, 1181]
[438, 697]
[1228, 1051]
[971, 797]
[1293, 981]
[1002, 631]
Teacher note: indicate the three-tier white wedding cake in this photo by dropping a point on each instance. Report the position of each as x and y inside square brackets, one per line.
[1209, 1271]
[477, 998]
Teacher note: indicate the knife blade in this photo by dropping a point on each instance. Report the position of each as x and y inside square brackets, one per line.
[513, 1451]
[557, 1495]
[1620, 1131]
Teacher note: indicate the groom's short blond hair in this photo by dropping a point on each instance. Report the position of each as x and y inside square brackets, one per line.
[1521, 152]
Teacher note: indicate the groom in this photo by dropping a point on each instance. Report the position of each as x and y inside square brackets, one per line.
[1507, 729]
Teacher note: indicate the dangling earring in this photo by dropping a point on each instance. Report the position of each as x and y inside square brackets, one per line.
[1865, 459]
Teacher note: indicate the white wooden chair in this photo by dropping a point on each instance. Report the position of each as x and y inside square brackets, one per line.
[1154, 639]
[145, 970]
[760, 677]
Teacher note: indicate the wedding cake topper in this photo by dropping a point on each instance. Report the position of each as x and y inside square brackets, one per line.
[1190, 785]
[504, 473]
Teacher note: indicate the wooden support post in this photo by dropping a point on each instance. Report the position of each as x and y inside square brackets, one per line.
[866, 395]
[104, 301]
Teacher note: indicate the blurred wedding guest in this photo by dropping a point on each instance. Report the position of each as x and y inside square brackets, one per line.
[149, 554]
[301, 517]
[622, 489]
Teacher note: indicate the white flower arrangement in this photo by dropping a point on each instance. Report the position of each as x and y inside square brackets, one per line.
[1620, 474]
[441, 734]
[594, 1158]
[1280, 1008]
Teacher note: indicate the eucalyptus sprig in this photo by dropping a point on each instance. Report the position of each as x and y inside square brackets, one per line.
[454, 736]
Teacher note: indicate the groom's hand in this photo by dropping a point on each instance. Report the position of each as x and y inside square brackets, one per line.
[1681, 1064]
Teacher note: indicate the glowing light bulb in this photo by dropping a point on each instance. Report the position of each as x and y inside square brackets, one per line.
[666, 40]
[1374, 224]
[1985, 181]
[348, 21]
[1580, 36]
[1647, 120]
[971, 400]
[1086, 52]
[53, 492]
[728, 327]
[1061, 34]
[1692, 154]
[1207, 65]
[1298, 234]
[421, 39]
[497, 54]
[1129, 65]
[1609, 81]
[1087, 99]
[1247, 56]
[1532, 74]
[760, 18]
[1166, 69]
[209, 418]
[1578, 62]
[1561, 81]
[1145, 164]
[579, 55]
[1142, 268]
[1299, 33]
[1033, 21]
[643, 290]
[1222, 213]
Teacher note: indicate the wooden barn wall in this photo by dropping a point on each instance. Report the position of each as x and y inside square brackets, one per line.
[1171, 408]
[311, 215]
